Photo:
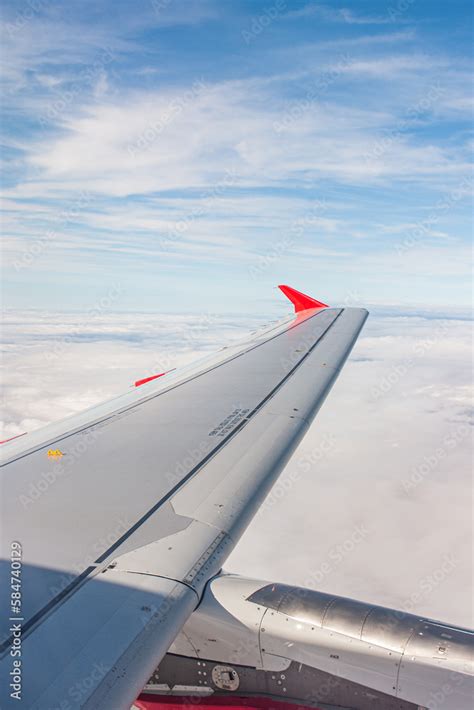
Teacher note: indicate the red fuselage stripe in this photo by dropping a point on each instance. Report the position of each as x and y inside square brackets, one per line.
[167, 702]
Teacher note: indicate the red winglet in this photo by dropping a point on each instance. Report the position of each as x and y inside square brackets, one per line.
[148, 379]
[300, 301]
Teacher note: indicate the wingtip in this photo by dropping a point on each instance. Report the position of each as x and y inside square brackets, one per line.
[301, 301]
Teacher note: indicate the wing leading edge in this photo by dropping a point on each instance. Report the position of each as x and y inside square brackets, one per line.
[151, 494]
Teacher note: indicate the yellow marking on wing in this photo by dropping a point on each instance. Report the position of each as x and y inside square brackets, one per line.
[55, 454]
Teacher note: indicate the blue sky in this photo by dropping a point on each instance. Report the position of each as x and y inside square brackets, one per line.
[188, 156]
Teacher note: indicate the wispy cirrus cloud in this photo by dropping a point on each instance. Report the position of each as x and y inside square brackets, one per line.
[342, 14]
[332, 105]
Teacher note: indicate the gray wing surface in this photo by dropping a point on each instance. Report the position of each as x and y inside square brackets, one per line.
[123, 513]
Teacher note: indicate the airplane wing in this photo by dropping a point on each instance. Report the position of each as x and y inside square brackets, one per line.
[114, 519]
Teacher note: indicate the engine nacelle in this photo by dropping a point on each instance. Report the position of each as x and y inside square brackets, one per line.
[249, 623]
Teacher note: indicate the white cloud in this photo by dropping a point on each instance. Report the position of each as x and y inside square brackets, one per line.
[143, 143]
[394, 66]
[340, 15]
[361, 119]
